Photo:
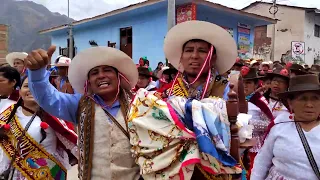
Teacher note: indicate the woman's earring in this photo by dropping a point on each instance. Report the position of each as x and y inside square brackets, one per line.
[291, 115]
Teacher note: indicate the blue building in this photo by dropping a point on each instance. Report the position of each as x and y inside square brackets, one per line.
[139, 29]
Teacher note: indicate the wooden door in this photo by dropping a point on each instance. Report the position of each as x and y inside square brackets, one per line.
[126, 40]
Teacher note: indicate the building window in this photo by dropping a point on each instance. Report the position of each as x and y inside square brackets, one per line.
[316, 30]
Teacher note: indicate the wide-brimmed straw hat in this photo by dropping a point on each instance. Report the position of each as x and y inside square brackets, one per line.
[62, 61]
[15, 55]
[254, 62]
[87, 59]
[225, 45]
[300, 84]
[265, 63]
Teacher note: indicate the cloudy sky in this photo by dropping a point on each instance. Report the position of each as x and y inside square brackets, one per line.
[80, 9]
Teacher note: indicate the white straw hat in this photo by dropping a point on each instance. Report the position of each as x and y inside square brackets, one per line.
[87, 59]
[223, 42]
[15, 55]
[62, 61]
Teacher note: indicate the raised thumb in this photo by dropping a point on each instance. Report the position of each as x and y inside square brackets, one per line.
[51, 50]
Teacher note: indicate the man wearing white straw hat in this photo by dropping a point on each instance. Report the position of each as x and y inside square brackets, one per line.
[16, 60]
[202, 52]
[62, 82]
[100, 110]
[170, 137]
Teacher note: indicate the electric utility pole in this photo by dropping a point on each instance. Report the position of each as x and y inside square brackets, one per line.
[273, 10]
[70, 48]
[171, 16]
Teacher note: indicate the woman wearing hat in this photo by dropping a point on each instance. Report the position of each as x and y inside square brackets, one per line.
[16, 60]
[145, 80]
[62, 82]
[250, 80]
[43, 140]
[279, 83]
[296, 70]
[265, 66]
[238, 65]
[257, 107]
[100, 111]
[291, 149]
[255, 64]
[315, 69]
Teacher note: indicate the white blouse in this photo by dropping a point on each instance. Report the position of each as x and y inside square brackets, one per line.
[283, 157]
[276, 107]
[49, 143]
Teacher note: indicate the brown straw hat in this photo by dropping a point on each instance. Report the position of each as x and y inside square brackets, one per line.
[300, 84]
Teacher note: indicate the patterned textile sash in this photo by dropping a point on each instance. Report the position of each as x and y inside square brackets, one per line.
[31, 159]
[169, 139]
[216, 88]
[179, 89]
[86, 112]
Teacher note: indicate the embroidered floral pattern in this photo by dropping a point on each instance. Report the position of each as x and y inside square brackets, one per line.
[160, 115]
[163, 145]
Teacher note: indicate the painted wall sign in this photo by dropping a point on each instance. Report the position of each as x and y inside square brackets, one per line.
[243, 41]
[246, 26]
[186, 12]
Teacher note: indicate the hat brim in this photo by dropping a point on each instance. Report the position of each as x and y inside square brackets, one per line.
[15, 55]
[61, 65]
[252, 78]
[298, 72]
[314, 72]
[225, 45]
[272, 75]
[285, 95]
[87, 59]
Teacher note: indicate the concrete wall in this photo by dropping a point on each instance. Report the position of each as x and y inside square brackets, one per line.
[312, 43]
[148, 32]
[3, 43]
[228, 21]
[149, 27]
[289, 27]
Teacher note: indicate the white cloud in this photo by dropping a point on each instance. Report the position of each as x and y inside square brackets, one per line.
[88, 8]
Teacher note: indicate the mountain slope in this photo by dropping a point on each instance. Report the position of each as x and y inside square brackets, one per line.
[25, 19]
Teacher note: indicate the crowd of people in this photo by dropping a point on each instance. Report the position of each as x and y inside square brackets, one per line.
[119, 120]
